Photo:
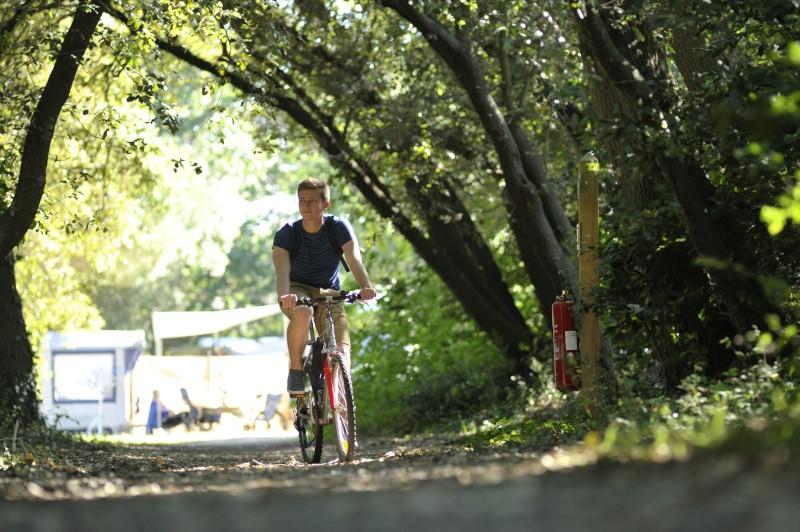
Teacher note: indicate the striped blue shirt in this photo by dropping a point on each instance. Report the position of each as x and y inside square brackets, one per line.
[315, 262]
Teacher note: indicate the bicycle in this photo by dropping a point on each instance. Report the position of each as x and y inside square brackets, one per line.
[328, 396]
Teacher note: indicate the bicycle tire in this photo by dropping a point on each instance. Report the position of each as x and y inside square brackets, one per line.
[344, 411]
[308, 426]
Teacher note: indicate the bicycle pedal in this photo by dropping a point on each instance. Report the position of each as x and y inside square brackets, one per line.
[300, 418]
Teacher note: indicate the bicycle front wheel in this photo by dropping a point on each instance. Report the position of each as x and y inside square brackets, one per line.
[308, 425]
[344, 410]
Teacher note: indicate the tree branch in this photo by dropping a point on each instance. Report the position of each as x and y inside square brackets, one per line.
[431, 29]
[9, 25]
[13, 21]
[620, 70]
[546, 262]
[19, 217]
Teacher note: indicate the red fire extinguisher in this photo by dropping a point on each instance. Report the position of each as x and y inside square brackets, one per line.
[565, 343]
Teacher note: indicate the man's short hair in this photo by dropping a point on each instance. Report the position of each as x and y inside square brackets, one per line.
[315, 184]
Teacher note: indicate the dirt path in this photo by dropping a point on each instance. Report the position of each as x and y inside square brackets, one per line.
[394, 485]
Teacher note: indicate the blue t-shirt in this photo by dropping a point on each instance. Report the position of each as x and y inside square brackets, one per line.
[315, 262]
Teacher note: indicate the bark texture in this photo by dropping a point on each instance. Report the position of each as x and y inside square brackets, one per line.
[18, 401]
[691, 54]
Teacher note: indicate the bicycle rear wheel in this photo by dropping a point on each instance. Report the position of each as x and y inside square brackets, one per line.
[344, 410]
[308, 426]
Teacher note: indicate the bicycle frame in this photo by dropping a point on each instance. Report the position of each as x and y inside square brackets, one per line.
[329, 347]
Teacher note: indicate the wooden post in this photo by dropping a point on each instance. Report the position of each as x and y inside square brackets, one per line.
[588, 272]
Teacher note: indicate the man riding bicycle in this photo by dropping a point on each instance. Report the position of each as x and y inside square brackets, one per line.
[306, 256]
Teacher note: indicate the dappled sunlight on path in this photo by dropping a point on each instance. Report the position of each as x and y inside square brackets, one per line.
[255, 481]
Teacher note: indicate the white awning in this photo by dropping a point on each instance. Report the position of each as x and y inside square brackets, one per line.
[182, 324]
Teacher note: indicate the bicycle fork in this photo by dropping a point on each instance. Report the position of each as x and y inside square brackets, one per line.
[323, 402]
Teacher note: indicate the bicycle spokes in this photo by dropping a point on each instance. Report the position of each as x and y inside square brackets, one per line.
[308, 427]
[343, 411]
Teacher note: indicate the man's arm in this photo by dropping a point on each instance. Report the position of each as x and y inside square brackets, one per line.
[283, 266]
[352, 255]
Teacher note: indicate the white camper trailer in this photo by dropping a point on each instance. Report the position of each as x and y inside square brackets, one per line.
[87, 379]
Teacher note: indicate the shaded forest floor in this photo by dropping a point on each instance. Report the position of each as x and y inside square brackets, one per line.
[395, 484]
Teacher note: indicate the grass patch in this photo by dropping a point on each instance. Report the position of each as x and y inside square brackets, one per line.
[754, 413]
[36, 445]
[533, 433]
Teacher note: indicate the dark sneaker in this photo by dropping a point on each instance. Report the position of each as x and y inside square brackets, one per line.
[294, 384]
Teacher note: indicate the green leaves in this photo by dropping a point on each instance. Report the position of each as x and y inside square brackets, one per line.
[787, 210]
[793, 53]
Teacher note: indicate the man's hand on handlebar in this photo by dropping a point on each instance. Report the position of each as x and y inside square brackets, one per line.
[368, 293]
[288, 301]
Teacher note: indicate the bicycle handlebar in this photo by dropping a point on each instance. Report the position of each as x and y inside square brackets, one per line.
[347, 297]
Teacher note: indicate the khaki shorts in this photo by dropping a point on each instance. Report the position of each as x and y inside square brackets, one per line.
[340, 326]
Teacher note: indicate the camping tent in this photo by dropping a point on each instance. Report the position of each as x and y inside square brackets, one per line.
[183, 324]
[252, 375]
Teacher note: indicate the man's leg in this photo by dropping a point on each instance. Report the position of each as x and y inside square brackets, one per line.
[342, 330]
[296, 339]
[297, 335]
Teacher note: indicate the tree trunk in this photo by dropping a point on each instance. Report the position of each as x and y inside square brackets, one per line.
[18, 400]
[548, 266]
[690, 54]
[696, 63]
[742, 295]
[531, 162]
[536, 174]
[460, 242]
[635, 175]
[17, 391]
